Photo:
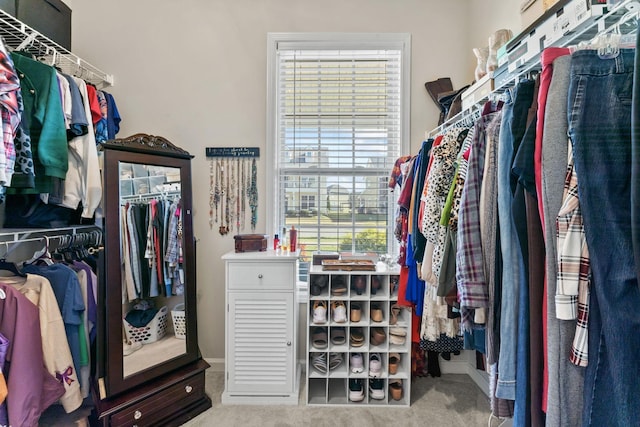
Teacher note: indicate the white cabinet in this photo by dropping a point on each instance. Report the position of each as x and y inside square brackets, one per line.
[360, 352]
[261, 329]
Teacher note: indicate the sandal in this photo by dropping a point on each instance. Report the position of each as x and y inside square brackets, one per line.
[319, 361]
[335, 360]
[395, 314]
[394, 361]
[338, 286]
[356, 337]
[319, 338]
[338, 336]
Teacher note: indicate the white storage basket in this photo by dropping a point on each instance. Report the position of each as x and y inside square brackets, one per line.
[152, 331]
[179, 321]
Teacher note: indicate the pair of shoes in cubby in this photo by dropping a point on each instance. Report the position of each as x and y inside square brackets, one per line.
[319, 361]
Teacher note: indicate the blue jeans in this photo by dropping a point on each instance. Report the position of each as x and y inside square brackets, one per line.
[599, 115]
[514, 116]
[635, 165]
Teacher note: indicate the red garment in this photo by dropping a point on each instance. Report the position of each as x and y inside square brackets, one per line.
[548, 56]
[402, 287]
[94, 104]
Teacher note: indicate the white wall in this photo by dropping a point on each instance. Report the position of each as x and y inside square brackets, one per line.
[195, 72]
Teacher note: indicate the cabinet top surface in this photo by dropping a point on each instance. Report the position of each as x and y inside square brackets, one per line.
[380, 269]
[260, 256]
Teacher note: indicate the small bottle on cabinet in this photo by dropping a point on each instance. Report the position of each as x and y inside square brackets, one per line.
[276, 242]
[293, 239]
[284, 242]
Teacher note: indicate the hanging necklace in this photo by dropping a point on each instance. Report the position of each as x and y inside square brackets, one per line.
[238, 194]
[223, 202]
[243, 207]
[228, 211]
[253, 194]
[216, 191]
[212, 194]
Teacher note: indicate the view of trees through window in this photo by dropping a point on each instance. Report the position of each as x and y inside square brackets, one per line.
[338, 135]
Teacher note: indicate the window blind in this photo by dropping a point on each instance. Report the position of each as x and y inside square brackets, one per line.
[338, 134]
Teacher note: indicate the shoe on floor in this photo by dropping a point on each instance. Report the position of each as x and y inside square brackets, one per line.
[356, 390]
[375, 365]
[130, 347]
[355, 360]
[376, 388]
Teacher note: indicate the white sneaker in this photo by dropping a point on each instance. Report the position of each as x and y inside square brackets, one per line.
[320, 312]
[356, 390]
[339, 312]
[130, 347]
[355, 361]
[375, 365]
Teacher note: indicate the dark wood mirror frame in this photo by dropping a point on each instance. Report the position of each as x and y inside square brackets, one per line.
[114, 392]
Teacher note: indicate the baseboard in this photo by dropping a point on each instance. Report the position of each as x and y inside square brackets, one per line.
[217, 364]
[479, 377]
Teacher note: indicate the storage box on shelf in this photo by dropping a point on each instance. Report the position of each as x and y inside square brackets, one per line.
[358, 339]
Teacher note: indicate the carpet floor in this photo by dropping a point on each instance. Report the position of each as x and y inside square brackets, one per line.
[452, 400]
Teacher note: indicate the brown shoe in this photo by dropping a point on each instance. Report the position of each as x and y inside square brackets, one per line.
[395, 389]
[356, 312]
[356, 338]
[376, 312]
[378, 336]
[394, 361]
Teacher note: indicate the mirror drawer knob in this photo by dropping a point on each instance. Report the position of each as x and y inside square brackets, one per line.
[188, 389]
[260, 276]
[137, 415]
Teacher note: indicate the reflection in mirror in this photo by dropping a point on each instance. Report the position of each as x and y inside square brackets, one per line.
[152, 271]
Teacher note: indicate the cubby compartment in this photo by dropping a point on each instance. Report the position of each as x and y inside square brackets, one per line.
[337, 391]
[361, 314]
[317, 391]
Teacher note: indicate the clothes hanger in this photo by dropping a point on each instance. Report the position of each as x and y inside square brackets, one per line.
[42, 254]
[10, 266]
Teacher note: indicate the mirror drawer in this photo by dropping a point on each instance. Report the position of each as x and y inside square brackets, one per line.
[276, 275]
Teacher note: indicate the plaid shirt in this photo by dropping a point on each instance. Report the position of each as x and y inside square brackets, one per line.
[472, 284]
[572, 294]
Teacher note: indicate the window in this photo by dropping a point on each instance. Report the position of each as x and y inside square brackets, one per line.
[337, 121]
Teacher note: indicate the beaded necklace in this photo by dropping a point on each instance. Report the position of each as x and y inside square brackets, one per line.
[253, 194]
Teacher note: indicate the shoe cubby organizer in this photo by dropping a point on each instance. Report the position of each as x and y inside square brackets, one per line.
[358, 339]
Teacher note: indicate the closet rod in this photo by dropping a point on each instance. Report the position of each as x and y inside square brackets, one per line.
[16, 35]
[68, 238]
[598, 24]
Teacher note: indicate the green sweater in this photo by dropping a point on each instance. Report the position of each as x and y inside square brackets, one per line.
[45, 117]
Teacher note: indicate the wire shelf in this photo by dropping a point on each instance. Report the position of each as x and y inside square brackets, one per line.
[19, 36]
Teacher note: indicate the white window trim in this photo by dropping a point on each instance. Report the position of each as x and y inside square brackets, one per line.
[401, 41]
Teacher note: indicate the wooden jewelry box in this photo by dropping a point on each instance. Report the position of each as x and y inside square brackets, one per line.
[251, 242]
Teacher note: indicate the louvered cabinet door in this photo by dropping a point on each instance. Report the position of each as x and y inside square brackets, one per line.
[260, 336]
